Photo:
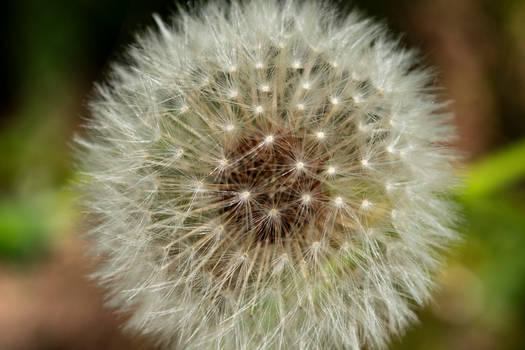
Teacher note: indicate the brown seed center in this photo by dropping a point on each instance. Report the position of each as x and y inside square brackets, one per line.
[273, 186]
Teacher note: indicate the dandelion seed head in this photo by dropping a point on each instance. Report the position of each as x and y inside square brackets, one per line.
[224, 216]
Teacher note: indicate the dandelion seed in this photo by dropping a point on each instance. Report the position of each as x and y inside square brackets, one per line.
[365, 204]
[242, 258]
[362, 128]
[273, 212]
[392, 121]
[306, 198]
[357, 99]
[199, 187]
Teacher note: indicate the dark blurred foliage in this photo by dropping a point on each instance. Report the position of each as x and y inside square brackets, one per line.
[52, 52]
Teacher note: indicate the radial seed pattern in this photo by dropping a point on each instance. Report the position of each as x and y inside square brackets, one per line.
[266, 178]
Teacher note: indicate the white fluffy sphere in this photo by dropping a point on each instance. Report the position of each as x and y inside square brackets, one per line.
[268, 176]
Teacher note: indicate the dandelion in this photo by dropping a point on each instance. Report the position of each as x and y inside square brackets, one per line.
[288, 202]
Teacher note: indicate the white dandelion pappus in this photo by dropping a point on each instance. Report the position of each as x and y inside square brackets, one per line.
[268, 176]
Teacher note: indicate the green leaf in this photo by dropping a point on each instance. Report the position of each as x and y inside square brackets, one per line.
[496, 172]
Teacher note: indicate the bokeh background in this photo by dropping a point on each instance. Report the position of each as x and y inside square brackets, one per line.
[51, 53]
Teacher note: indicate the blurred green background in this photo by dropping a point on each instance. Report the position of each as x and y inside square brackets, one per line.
[52, 52]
